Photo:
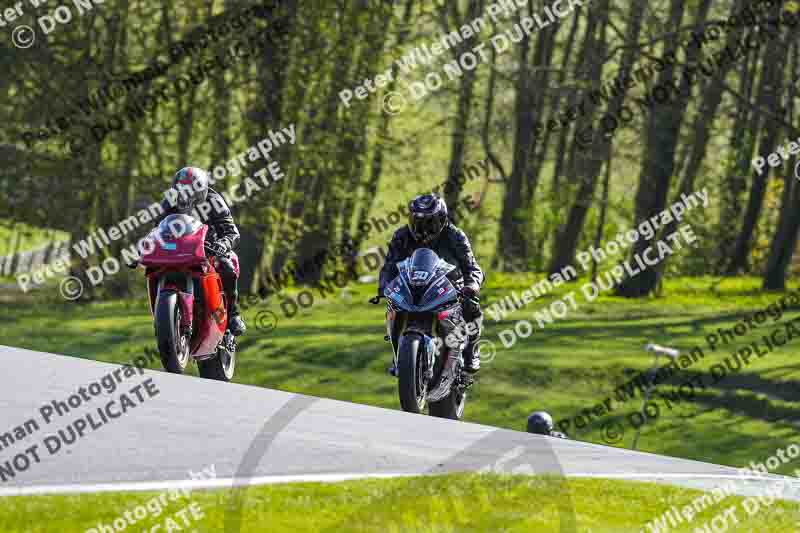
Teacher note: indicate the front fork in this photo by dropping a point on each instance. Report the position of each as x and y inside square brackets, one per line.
[185, 300]
[393, 338]
[433, 345]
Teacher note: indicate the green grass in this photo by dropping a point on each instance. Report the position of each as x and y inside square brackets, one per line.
[458, 502]
[335, 349]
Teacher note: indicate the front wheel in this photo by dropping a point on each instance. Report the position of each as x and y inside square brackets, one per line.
[221, 366]
[172, 345]
[411, 383]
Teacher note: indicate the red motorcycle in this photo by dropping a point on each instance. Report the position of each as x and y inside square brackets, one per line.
[187, 300]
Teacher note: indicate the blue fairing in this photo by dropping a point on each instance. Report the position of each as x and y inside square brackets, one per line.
[423, 274]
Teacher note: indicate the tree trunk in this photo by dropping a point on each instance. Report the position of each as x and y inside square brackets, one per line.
[602, 222]
[512, 242]
[702, 129]
[556, 198]
[455, 173]
[567, 238]
[743, 137]
[769, 97]
[784, 241]
[376, 165]
[662, 132]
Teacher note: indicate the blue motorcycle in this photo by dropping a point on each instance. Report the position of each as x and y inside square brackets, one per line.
[423, 306]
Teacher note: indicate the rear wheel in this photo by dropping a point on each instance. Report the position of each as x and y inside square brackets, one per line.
[222, 365]
[172, 345]
[451, 406]
[411, 383]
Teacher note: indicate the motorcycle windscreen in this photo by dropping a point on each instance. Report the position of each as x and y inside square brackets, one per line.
[422, 267]
[177, 226]
[177, 241]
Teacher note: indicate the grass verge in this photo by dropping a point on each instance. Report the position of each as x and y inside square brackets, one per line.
[458, 502]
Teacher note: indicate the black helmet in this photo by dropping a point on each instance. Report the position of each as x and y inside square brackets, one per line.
[540, 423]
[427, 217]
[189, 189]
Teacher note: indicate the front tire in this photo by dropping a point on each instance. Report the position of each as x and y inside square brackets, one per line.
[173, 347]
[411, 384]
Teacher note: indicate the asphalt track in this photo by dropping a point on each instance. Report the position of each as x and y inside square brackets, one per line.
[253, 435]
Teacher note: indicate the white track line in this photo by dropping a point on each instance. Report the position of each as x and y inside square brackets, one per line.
[670, 475]
[194, 484]
[191, 484]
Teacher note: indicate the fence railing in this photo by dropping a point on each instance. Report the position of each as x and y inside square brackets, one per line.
[23, 262]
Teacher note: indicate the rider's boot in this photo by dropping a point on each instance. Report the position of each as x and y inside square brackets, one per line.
[474, 327]
[472, 356]
[235, 323]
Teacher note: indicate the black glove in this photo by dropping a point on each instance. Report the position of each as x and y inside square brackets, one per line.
[133, 264]
[471, 289]
[214, 248]
[224, 245]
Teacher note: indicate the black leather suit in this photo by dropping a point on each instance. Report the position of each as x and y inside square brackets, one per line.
[453, 246]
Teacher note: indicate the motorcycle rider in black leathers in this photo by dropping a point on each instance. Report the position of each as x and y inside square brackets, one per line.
[189, 190]
[429, 227]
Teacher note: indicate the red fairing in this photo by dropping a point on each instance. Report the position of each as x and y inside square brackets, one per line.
[214, 321]
[187, 251]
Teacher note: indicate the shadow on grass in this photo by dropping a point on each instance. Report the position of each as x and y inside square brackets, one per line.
[777, 389]
[751, 406]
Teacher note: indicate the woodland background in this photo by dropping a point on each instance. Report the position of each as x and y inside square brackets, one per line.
[353, 163]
